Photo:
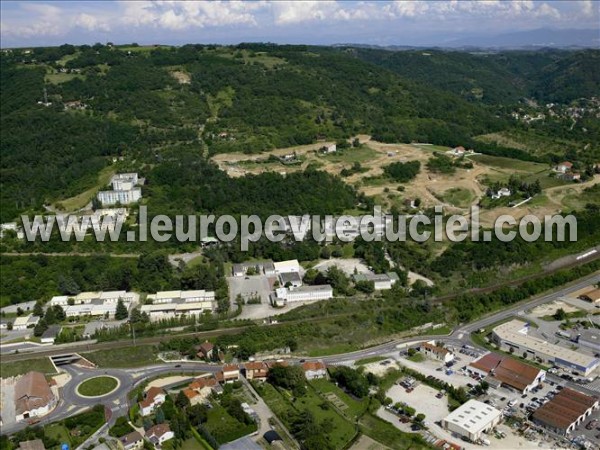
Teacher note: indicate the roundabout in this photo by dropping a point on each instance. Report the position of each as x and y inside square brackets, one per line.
[99, 386]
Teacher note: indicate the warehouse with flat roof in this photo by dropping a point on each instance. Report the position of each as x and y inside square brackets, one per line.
[515, 334]
[472, 419]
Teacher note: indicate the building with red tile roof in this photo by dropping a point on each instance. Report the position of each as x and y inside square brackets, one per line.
[567, 410]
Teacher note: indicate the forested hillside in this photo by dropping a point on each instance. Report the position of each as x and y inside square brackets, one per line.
[69, 112]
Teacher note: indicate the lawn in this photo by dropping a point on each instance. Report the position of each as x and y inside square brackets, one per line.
[351, 155]
[80, 200]
[13, 368]
[124, 357]
[223, 427]
[387, 434]
[58, 78]
[350, 407]
[417, 357]
[460, 197]
[509, 163]
[97, 386]
[58, 432]
[192, 444]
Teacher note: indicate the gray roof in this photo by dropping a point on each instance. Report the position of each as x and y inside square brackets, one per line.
[52, 331]
[290, 277]
[244, 443]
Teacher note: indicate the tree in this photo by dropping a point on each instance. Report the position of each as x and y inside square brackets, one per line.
[40, 327]
[160, 416]
[288, 377]
[38, 309]
[50, 316]
[181, 401]
[59, 313]
[121, 311]
[560, 314]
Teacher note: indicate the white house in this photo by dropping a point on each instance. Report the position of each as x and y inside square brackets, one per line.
[564, 167]
[503, 192]
[154, 397]
[432, 351]
[159, 434]
[132, 441]
[331, 148]
[314, 369]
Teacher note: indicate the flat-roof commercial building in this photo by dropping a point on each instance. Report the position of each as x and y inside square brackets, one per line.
[590, 339]
[515, 335]
[193, 296]
[86, 298]
[303, 294]
[381, 282]
[472, 419]
[124, 190]
[568, 409]
[24, 322]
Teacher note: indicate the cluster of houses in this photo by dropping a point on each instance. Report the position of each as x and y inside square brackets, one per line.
[172, 304]
[565, 171]
[94, 304]
[124, 191]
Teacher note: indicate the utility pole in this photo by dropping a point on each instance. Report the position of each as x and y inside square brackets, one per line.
[132, 331]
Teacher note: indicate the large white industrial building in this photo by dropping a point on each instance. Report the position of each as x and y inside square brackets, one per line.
[515, 335]
[171, 304]
[303, 294]
[472, 419]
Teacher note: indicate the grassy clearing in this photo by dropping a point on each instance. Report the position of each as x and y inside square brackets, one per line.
[58, 78]
[97, 386]
[387, 434]
[372, 359]
[348, 406]
[460, 197]
[352, 155]
[334, 349]
[510, 164]
[14, 368]
[225, 428]
[125, 357]
[417, 357]
[528, 141]
[80, 200]
[58, 432]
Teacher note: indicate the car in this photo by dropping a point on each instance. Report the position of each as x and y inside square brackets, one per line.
[591, 425]
[502, 399]
[177, 366]
[512, 403]
[559, 388]
[524, 396]
[470, 385]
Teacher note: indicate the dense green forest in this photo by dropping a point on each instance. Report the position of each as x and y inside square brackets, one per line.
[141, 105]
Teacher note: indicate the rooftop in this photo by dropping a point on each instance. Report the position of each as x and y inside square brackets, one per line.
[487, 362]
[31, 392]
[564, 409]
[473, 416]
[516, 332]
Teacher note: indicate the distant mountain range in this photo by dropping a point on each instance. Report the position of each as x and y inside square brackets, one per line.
[522, 40]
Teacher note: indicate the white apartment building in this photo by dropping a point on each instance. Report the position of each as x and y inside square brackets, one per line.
[124, 190]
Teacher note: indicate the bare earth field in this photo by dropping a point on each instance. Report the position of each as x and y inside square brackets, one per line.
[456, 192]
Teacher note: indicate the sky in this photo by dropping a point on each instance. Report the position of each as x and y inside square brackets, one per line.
[406, 22]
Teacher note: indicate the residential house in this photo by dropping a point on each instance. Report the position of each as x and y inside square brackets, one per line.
[132, 441]
[314, 369]
[503, 192]
[256, 370]
[159, 434]
[153, 398]
[201, 388]
[458, 151]
[33, 396]
[564, 167]
[229, 374]
[205, 350]
[433, 351]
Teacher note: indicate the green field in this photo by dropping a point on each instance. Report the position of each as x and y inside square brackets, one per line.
[97, 386]
[57, 78]
[14, 368]
[351, 155]
[460, 197]
[59, 432]
[124, 357]
[510, 164]
[346, 405]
